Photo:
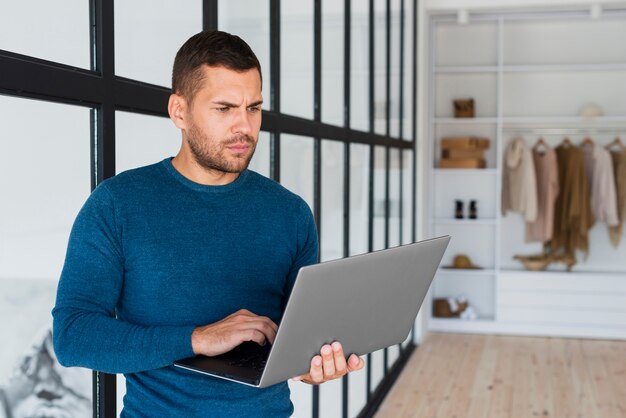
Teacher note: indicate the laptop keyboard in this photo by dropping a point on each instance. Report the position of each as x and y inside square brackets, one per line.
[256, 361]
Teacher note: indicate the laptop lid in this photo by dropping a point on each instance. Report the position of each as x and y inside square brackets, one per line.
[366, 302]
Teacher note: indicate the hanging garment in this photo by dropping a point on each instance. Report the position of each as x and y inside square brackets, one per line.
[546, 172]
[573, 216]
[619, 170]
[601, 180]
[519, 185]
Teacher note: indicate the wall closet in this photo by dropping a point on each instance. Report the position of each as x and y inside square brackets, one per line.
[549, 75]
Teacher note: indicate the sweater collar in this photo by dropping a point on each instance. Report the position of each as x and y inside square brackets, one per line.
[203, 188]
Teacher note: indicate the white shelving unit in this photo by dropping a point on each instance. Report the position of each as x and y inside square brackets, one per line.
[528, 73]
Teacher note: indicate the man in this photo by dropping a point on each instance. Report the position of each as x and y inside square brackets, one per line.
[192, 255]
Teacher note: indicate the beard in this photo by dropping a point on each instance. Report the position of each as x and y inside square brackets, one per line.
[212, 154]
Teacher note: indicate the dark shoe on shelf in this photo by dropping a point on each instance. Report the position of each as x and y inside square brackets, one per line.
[458, 211]
[473, 210]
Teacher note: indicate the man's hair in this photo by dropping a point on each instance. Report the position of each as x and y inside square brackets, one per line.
[212, 48]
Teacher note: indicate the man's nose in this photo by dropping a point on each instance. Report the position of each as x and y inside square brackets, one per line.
[243, 124]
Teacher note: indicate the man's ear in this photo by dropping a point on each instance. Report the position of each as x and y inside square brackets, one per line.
[177, 109]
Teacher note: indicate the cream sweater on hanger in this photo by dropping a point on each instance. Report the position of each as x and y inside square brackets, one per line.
[519, 184]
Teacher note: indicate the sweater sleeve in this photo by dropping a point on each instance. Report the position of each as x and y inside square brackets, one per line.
[86, 332]
[307, 250]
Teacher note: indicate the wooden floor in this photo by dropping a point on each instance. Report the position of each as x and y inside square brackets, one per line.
[454, 375]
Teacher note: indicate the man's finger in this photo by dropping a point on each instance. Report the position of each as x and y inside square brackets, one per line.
[340, 360]
[328, 361]
[355, 363]
[316, 373]
[245, 315]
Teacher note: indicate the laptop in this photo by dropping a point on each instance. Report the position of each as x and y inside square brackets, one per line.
[367, 302]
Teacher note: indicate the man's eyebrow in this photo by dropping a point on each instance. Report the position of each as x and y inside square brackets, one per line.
[224, 103]
[229, 104]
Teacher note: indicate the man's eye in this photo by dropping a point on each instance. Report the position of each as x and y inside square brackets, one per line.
[222, 109]
[254, 109]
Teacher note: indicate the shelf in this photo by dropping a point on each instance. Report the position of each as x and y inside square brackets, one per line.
[464, 221]
[451, 320]
[465, 272]
[465, 69]
[466, 171]
[562, 273]
[465, 121]
[563, 68]
[538, 68]
[600, 121]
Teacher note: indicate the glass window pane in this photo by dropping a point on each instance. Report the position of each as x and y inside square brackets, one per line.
[394, 197]
[332, 200]
[142, 140]
[393, 353]
[296, 166]
[332, 61]
[409, 88]
[330, 399]
[25, 24]
[357, 391]
[296, 64]
[380, 210]
[41, 195]
[377, 365]
[302, 399]
[394, 127]
[359, 66]
[407, 197]
[148, 34]
[359, 198]
[250, 20]
[261, 160]
[296, 172]
[380, 67]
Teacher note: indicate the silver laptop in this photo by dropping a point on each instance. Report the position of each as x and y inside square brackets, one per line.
[366, 302]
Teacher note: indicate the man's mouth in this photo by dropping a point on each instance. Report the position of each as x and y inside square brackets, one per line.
[239, 147]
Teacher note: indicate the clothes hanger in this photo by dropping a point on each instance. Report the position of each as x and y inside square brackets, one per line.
[587, 141]
[566, 142]
[539, 144]
[617, 142]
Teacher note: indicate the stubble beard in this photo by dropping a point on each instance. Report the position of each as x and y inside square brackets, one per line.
[210, 152]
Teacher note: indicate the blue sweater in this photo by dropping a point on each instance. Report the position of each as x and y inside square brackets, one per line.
[151, 256]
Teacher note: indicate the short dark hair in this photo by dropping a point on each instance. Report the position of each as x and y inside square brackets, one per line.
[212, 48]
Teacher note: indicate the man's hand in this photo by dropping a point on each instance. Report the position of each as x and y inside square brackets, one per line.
[330, 364]
[222, 336]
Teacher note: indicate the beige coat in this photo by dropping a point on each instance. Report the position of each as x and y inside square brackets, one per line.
[519, 184]
[619, 169]
[601, 178]
[546, 172]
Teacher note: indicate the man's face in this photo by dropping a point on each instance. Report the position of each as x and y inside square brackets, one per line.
[222, 124]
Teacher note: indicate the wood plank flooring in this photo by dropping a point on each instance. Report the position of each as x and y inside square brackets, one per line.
[467, 376]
